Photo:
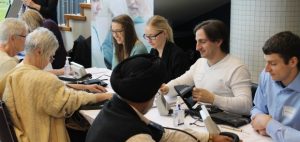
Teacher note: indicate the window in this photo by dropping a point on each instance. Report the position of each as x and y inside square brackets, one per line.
[4, 4]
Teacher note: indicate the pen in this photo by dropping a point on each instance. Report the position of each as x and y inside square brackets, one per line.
[231, 128]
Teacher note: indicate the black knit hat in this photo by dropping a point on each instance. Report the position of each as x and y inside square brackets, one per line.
[138, 78]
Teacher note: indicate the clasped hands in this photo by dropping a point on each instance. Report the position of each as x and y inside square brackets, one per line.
[199, 94]
[260, 122]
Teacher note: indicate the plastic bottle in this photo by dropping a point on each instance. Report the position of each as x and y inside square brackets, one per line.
[67, 67]
[178, 115]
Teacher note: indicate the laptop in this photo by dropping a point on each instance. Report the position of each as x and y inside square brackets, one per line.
[185, 92]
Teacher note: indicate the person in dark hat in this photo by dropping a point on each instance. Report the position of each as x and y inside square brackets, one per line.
[136, 81]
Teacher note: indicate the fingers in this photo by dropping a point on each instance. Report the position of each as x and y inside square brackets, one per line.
[164, 89]
[228, 139]
[96, 88]
[26, 2]
[197, 94]
[221, 138]
[262, 132]
[101, 88]
[202, 95]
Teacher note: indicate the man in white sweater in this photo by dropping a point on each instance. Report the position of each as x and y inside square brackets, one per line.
[219, 78]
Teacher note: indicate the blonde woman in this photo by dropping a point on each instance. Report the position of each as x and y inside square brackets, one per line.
[159, 35]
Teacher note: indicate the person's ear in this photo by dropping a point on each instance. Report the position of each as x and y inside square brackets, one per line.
[38, 51]
[165, 34]
[219, 42]
[293, 61]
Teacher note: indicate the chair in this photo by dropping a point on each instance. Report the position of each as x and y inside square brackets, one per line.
[253, 90]
[7, 133]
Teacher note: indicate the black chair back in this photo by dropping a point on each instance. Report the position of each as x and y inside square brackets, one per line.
[253, 90]
[7, 132]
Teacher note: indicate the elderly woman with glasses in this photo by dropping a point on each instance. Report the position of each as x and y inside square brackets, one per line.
[34, 20]
[12, 39]
[159, 35]
[125, 39]
[37, 100]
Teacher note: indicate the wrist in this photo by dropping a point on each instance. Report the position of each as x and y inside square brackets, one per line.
[210, 138]
[212, 99]
[36, 6]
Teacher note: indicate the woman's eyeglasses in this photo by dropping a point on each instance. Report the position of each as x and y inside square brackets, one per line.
[117, 31]
[151, 37]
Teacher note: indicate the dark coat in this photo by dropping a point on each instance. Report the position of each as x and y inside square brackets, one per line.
[61, 53]
[176, 60]
[48, 8]
[118, 122]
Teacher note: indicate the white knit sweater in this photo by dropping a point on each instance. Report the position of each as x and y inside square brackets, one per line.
[228, 79]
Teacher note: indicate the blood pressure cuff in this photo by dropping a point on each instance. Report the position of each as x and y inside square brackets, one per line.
[230, 119]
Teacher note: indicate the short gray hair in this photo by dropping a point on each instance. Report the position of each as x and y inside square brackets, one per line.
[43, 39]
[10, 27]
[32, 18]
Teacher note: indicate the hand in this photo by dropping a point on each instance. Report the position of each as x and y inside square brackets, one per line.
[220, 138]
[260, 122]
[57, 71]
[203, 95]
[95, 88]
[27, 2]
[164, 89]
[31, 4]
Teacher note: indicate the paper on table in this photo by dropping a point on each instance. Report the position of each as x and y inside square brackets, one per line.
[210, 125]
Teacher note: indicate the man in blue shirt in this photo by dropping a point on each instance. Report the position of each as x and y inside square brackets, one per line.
[277, 100]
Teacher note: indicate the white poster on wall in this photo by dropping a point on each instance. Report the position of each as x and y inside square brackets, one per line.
[102, 13]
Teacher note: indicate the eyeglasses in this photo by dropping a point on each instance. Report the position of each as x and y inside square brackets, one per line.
[151, 37]
[117, 31]
[51, 59]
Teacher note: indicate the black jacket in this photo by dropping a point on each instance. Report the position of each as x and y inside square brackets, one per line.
[176, 60]
[117, 122]
[61, 53]
[48, 8]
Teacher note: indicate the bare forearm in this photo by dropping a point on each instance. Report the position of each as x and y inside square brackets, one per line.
[103, 96]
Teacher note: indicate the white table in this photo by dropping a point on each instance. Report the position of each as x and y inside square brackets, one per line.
[247, 135]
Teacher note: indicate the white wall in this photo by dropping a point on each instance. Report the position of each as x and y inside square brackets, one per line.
[254, 21]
